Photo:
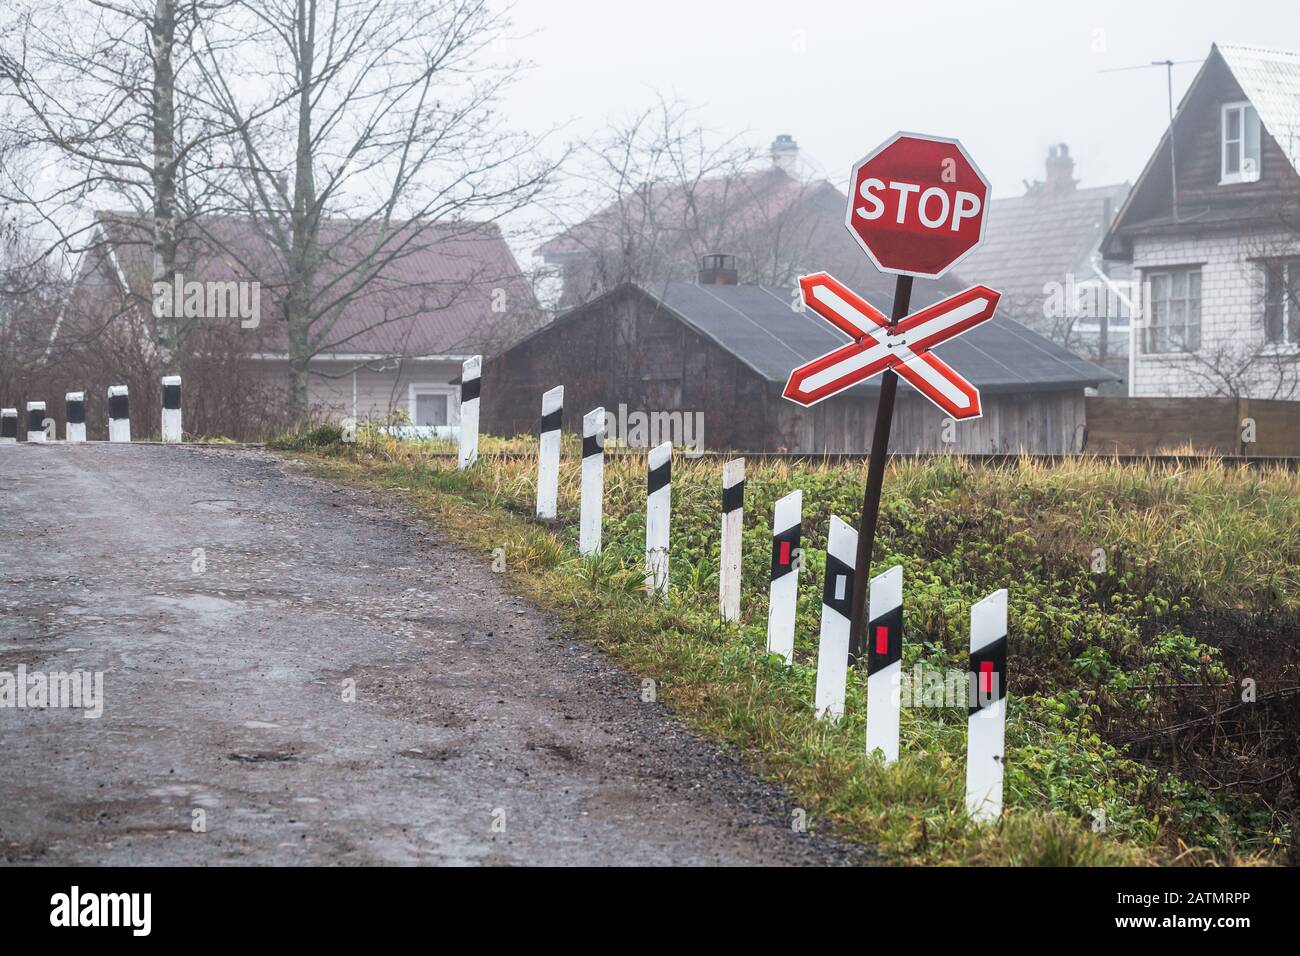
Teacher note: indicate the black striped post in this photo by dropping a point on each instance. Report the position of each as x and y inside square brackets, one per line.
[119, 414]
[593, 481]
[884, 663]
[36, 422]
[171, 409]
[733, 527]
[471, 377]
[8, 426]
[787, 528]
[837, 606]
[658, 511]
[548, 453]
[987, 720]
[74, 409]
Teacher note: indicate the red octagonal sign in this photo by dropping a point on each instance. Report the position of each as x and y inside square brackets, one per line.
[917, 204]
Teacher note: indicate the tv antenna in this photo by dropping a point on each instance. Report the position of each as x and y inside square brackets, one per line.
[1169, 85]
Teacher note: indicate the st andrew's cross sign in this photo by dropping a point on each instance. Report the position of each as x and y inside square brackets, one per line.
[917, 207]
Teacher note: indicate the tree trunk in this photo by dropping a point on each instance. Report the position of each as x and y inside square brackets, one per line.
[303, 253]
[163, 37]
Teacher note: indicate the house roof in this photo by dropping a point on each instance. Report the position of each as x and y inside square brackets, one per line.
[1271, 81]
[433, 294]
[1038, 238]
[767, 218]
[758, 326]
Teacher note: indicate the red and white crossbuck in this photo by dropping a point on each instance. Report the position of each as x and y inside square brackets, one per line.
[903, 347]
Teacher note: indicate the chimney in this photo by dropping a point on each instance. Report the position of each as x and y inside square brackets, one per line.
[718, 269]
[785, 153]
[1060, 170]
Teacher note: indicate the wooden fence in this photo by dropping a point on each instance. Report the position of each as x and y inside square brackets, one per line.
[1221, 426]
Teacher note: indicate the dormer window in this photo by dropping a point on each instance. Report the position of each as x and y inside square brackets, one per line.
[1239, 154]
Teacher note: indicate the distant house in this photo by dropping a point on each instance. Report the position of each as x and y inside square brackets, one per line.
[1042, 251]
[448, 292]
[1212, 229]
[725, 350]
[778, 225]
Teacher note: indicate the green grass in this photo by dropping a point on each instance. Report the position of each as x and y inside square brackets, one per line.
[1091, 651]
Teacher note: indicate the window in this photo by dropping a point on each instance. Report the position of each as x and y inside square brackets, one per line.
[1173, 311]
[1240, 152]
[1282, 303]
[430, 409]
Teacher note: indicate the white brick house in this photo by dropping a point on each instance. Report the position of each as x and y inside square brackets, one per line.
[1218, 256]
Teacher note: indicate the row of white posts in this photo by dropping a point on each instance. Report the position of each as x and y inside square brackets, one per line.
[883, 640]
[39, 426]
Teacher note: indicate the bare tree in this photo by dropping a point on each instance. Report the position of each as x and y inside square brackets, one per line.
[366, 131]
[102, 88]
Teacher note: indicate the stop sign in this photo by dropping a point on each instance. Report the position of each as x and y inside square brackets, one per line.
[917, 204]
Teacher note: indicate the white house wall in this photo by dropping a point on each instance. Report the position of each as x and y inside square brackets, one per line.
[1232, 313]
[380, 387]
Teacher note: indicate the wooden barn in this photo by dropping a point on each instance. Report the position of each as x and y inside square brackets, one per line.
[725, 350]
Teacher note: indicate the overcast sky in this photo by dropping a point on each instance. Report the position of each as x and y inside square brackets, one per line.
[1007, 78]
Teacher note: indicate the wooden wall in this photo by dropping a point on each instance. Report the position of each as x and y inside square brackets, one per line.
[1140, 426]
[1039, 423]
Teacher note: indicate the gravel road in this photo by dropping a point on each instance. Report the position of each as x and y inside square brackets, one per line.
[479, 734]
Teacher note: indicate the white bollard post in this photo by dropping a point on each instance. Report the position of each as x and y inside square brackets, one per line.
[548, 453]
[8, 426]
[119, 414]
[171, 409]
[658, 512]
[36, 422]
[74, 405]
[784, 592]
[470, 379]
[987, 720]
[884, 640]
[733, 527]
[593, 481]
[837, 612]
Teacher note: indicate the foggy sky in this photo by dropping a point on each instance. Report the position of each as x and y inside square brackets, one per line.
[1007, 78]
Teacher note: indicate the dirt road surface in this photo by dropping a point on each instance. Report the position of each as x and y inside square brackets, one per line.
[479, 733]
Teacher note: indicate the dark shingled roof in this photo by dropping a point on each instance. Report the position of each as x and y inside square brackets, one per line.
[758, 326]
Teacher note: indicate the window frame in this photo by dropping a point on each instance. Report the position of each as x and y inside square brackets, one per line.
[1287, 271]
[435, 388]
[1247, 110]
[1149, 325]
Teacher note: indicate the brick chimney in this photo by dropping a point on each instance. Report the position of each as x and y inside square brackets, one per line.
[785, 153]
[718, 269]
[1060, 170]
